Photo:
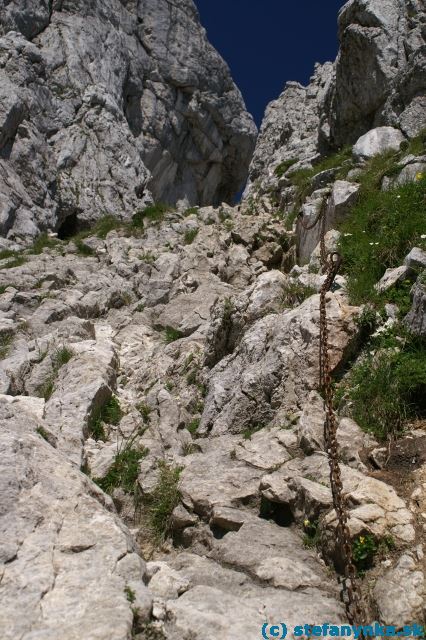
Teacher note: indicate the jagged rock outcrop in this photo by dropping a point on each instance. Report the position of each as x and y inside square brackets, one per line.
[105, 105]
[378, 79]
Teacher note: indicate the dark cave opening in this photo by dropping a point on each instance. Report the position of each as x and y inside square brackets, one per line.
[280, 513]
[69, 227]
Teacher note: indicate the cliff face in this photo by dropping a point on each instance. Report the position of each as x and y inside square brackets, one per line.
[106, 105]
[378, 78]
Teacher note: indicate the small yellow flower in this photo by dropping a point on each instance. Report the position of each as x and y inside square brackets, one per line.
[306, 522]
[361, 539]
[419, 175]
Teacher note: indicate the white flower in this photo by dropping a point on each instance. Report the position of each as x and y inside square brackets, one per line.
[423, 236]
[398, 196]
[371, 243]
[347, 234]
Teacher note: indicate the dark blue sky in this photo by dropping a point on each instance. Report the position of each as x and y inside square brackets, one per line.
[267, 42]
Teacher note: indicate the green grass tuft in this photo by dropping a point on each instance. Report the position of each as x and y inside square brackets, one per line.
[44, 241]
[109, 413]
[163, 500]
[171, 335]
[295, 294]
[193, 426]
[16, 260]
[284, 166]
[43, 433]
[6, 339]
[190, 236]
[250, 431]
[124, 471]
[83, 249]
[61, 357]
[130, 594]
[154, 213]
[144, 410]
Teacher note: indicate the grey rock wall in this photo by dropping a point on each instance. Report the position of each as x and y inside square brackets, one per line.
[107, 105]
[378, 79]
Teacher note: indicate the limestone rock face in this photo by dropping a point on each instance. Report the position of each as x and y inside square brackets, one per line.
[290, 129]
[105, 105]
[378, 79]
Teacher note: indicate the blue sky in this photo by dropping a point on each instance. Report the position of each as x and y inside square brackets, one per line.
[267, 42]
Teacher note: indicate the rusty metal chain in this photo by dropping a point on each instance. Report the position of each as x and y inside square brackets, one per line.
[351, 594]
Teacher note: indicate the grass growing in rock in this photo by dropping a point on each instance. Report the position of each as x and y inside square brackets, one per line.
[153, 213]
[109, 413]
[44, 241]
[61, 357]
[284, 166]
[6, 339]
[250, 431]
[302, 178]
[163, 500]
[387, 385]
[124, 470]
[190, 236]
[171, 335]
[295, 294]
[15, 259]
[381, 230]
[43, 433]
[193, 426]
[144, 410]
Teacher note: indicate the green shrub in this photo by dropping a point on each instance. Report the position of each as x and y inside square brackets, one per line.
[111, 412]
[163, 500]
[191, 378]
[417, 146]
[7, 253]
[381, 230]
[3, 288]
[171, 335]
[190, 236]
[46, 389]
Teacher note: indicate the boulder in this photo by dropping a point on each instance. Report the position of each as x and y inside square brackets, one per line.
[377, 141]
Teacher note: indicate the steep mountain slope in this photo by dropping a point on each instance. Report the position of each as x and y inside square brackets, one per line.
[105, 105]
[163, 467]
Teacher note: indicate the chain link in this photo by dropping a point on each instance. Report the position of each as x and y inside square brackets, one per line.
[331, 262]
